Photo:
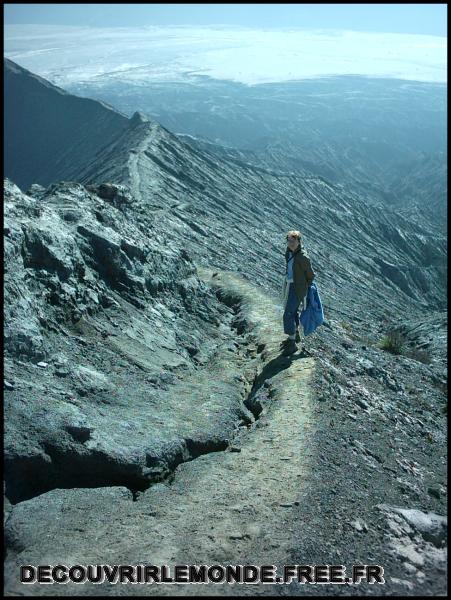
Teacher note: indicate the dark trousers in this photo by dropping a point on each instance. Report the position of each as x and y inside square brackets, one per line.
[291, 312]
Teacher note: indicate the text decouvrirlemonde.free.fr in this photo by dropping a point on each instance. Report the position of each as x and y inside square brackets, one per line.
[161, 574]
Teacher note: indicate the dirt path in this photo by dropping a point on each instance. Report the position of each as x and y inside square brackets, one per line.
[234, 507]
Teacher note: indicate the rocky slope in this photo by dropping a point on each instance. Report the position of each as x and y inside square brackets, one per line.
[142, 325]
[50, 133]
[420, 187]
[218, 193]
[376, 135]
[285, 495]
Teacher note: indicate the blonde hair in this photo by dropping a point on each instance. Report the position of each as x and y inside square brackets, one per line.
[294, 233]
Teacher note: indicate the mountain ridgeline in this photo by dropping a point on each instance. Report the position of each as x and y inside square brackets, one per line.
[372, 134]
[184, 185]
[50, 133]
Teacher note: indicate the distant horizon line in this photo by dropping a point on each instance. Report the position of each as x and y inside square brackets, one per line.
[284, 81]
[226, 26]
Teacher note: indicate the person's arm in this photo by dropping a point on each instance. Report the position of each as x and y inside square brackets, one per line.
[309, 273]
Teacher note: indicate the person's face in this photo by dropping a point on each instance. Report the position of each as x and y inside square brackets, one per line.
[292, 242]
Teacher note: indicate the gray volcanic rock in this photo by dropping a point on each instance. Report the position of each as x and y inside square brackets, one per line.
[230, 502]
[103, 305]
[385, 138]
[204, 192]
[419, 187]
[50, 133]
[182, 187]
[142, 326]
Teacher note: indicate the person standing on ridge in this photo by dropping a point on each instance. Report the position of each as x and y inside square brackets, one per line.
[298, 276]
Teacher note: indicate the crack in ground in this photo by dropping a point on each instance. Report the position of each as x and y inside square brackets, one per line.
[28, 477]
[237, 502]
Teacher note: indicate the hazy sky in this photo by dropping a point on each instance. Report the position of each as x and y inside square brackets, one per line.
[426, 19]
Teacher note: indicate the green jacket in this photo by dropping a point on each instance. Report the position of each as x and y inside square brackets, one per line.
[303, 273]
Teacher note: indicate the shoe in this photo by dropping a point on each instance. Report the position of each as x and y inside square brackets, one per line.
[285, 342]
[289, 348]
